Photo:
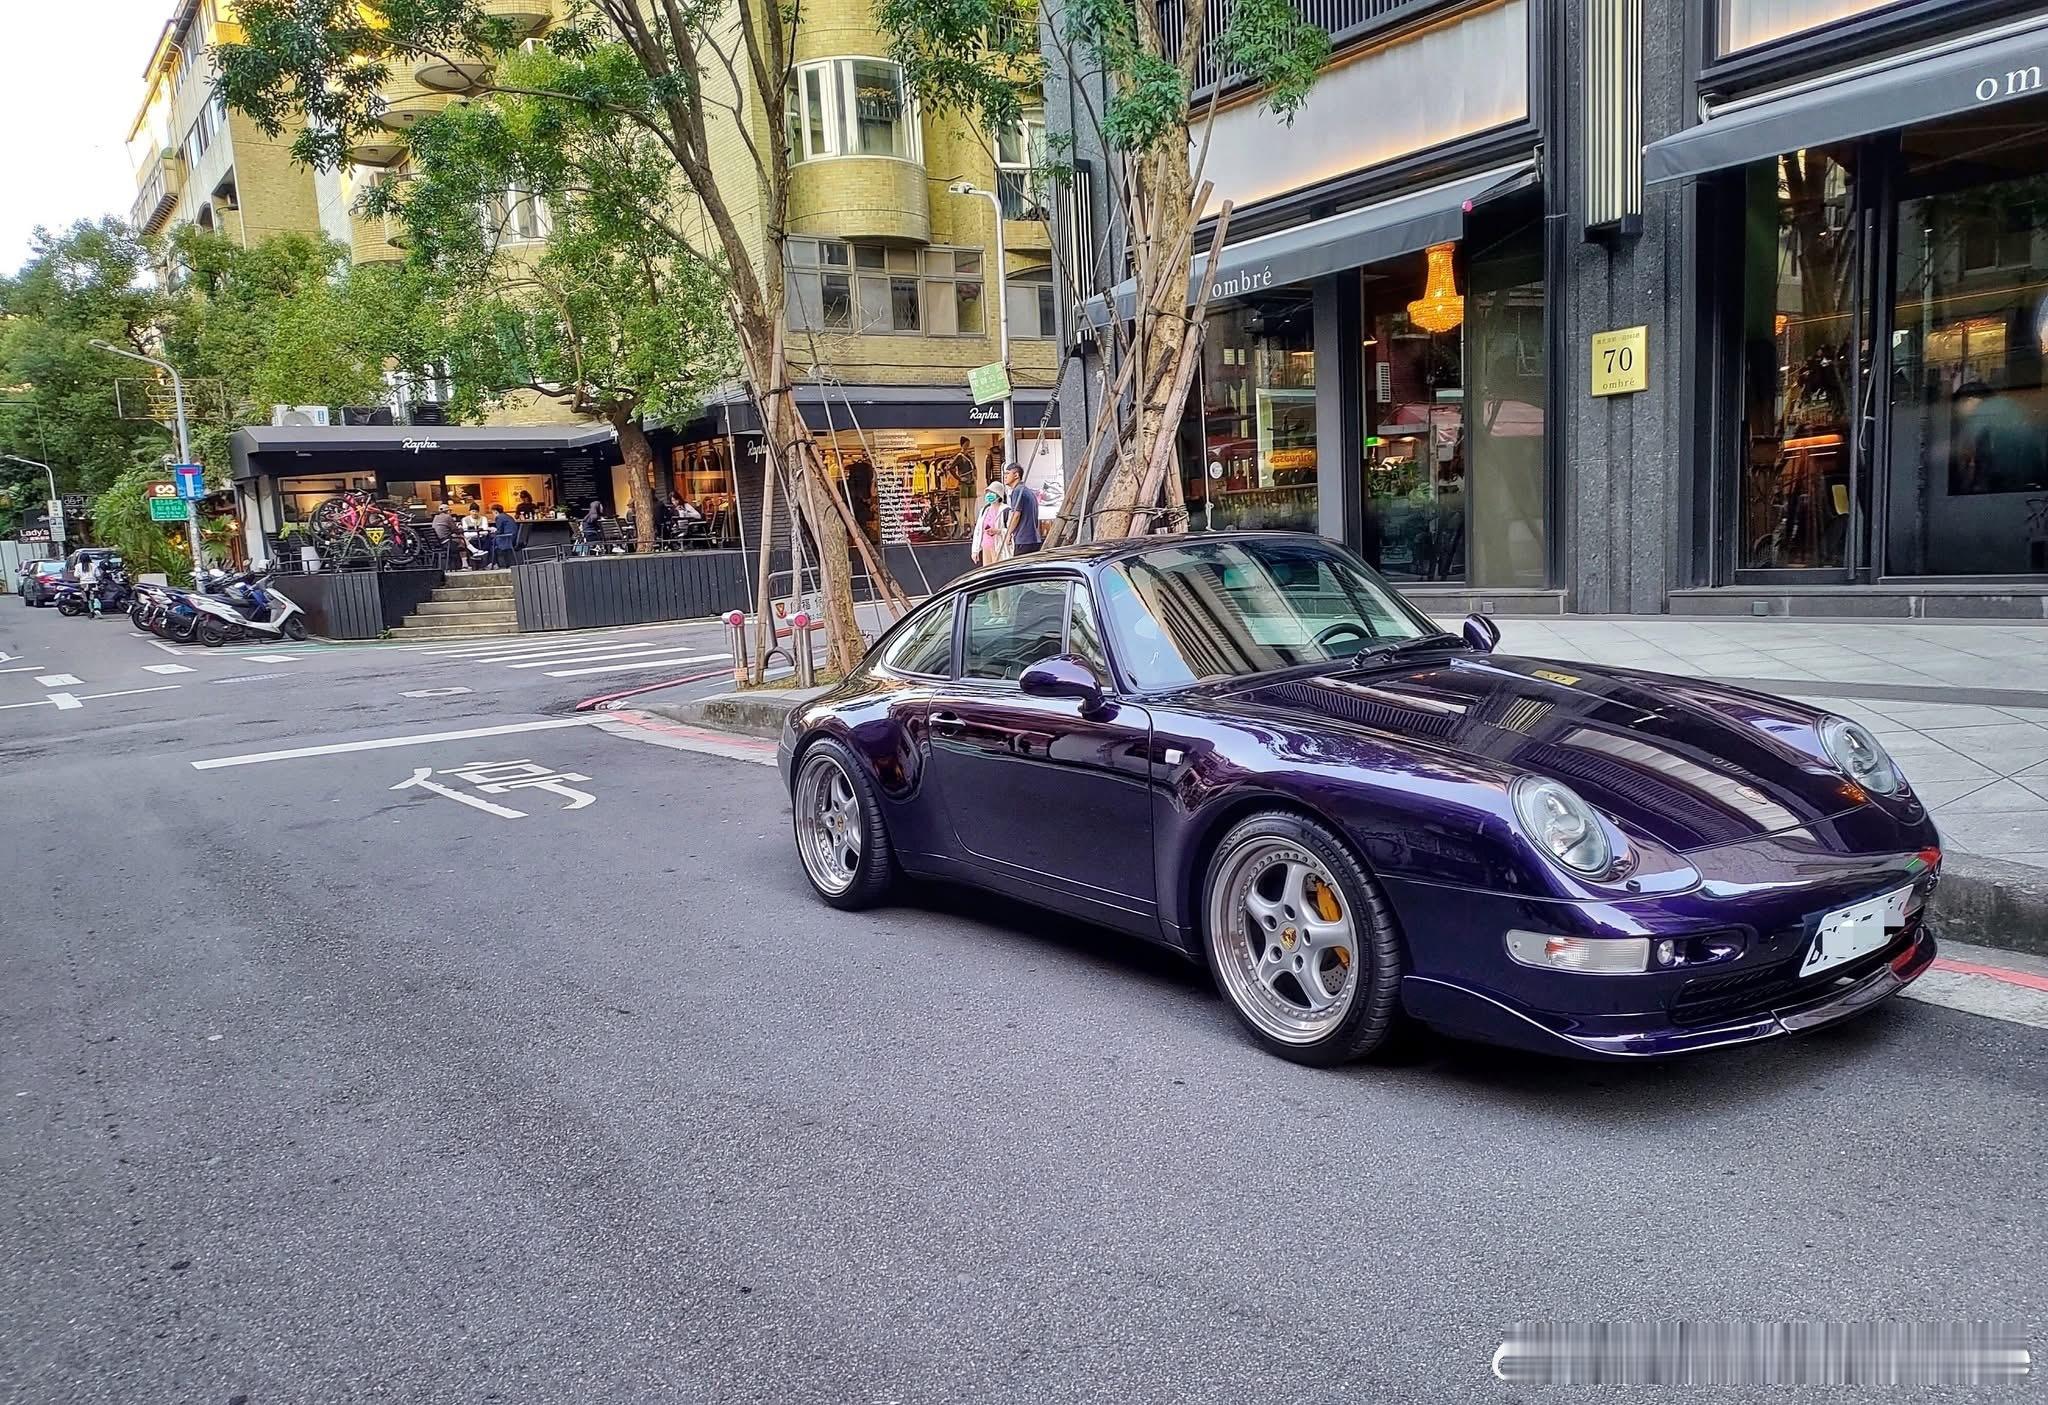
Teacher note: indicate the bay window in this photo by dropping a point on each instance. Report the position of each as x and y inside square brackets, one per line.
[851, 107]
[1030, 299]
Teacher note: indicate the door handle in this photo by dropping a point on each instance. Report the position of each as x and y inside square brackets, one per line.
[946, 722]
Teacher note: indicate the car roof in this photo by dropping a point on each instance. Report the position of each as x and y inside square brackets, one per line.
[1123, 548]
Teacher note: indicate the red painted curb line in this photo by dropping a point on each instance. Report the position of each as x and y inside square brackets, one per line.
[2026, 979]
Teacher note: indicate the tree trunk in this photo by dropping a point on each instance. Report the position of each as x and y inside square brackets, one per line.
[639, 459]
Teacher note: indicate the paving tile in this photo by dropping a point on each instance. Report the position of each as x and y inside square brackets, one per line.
[2007, 749]
[1935, 794]
[1932, 717]
[1995, 836]
[2037, 860]
[1999, 798]
[1925, 761]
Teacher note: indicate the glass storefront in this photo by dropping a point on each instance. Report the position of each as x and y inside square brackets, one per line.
[1253, 461]
[1906, 274]
[910, 487]
[1967, 477]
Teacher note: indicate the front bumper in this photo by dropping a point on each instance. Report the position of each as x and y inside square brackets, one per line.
[1461, 1010]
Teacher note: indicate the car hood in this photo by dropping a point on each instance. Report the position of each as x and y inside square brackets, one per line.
[1694, 764]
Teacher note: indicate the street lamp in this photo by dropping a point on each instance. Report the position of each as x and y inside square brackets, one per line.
[57, 537]
[184, 438]
[962, 187]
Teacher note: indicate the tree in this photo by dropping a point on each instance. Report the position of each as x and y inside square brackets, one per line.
[673, 71]
[982, 58]
[617, 318]
[57, 393]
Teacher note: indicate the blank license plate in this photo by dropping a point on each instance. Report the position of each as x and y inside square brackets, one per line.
[1850, 932]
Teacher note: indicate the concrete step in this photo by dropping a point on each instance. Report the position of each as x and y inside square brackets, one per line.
[474, 592]
[493, 605]
[410, 632]
[502, 619]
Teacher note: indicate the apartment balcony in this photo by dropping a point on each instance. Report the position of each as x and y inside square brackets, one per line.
[406, 101]
[159, 195]
[452, 73]
[861, 197]
[379, 147]
[530, 15]
[369, 240]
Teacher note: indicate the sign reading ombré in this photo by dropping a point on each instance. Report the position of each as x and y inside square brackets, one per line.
[1621, 361]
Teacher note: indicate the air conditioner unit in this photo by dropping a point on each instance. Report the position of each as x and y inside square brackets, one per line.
[366, 414]
[299, 416]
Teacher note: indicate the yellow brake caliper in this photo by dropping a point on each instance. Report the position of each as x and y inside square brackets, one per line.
[1326, 907]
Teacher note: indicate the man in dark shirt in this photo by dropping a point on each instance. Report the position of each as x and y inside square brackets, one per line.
[1021, 522]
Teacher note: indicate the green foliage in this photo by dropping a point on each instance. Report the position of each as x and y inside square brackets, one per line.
[56, 390]
[1282, 52]
[618, 314]
[120, 518]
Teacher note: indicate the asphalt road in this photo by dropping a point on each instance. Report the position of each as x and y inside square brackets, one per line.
[312, 1089]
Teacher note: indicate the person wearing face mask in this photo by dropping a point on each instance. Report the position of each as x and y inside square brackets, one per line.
[988, 529]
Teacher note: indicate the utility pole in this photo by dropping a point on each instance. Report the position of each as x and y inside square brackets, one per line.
[1002, 315]
[184, 442]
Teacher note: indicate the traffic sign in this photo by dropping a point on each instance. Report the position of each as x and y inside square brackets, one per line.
[191, 481]
[168, 509]
[56, 507]
[74, 504]
[990, 382]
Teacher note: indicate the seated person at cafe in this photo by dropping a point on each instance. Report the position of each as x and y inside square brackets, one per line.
[525, 506]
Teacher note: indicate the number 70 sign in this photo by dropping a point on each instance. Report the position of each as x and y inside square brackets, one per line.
[1621, 361]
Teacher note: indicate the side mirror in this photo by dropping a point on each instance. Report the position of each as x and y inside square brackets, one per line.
[1064, 677]
[1481, 633]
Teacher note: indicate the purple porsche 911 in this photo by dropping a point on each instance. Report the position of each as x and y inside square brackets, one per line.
[1248, 747]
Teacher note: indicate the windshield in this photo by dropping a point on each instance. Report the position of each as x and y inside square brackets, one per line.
[1200, 610]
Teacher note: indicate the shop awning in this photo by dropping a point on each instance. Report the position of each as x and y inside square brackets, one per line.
[276, 440]
[1401, 225]
[1859, 103]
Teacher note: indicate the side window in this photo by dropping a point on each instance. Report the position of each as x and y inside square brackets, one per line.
[1012, 627]
[1083, 641]
[926, 647]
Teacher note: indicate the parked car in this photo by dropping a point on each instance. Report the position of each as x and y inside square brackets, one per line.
[77, 559]
[1250, 748]
[40, 581]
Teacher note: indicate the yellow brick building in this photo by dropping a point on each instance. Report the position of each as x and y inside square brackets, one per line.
[196, 162]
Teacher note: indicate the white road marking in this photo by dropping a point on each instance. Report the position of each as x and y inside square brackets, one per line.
[270, 658]
[39, 702]
[59, 680]
[64, 702]
[477, 801]
[636, 651]
[434, 692]
[131, 692]
[25, 668]
[560, 648]
[165, 668]
[642, 663]
[385, 743]
[639, 727]
[167, 648]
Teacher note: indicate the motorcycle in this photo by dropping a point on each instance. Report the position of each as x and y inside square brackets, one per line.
[110, 592]
[247, 606]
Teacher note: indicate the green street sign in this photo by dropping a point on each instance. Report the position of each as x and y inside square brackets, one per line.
[167, 509]
[990, 382]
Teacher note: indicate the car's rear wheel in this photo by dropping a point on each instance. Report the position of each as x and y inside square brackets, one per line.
[839, 833]
[1301, 941]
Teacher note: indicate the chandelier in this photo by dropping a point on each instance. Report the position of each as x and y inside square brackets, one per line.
[1441, 307]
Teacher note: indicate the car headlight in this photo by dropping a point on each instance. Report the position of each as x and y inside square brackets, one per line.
[1859, 756]
[1562, 825]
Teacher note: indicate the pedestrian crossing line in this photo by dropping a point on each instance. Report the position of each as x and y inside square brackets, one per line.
[638, 664]
[166, 668]
[600, 655]
[527, 645]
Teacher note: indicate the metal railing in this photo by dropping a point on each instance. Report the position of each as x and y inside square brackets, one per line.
[1344, 20]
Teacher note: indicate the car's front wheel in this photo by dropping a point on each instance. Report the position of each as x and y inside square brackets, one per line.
[839, 832]
[1301, 941]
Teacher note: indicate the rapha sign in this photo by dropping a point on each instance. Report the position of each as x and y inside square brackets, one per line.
[2017, 82]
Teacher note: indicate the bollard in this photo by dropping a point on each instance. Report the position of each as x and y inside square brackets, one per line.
[800, 624]
[736, 629]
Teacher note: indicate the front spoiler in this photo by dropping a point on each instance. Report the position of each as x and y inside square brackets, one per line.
[1460, 1010]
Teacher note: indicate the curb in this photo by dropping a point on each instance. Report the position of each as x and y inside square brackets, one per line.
[1986, 902]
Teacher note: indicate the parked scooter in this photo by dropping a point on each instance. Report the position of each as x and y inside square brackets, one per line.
[248, 606]
[110, 591]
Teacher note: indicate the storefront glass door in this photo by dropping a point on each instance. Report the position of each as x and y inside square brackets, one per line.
[1802, 330]
[1967, 472]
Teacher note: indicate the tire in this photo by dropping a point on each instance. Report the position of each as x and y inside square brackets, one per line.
[69, 608]
[295, 630]
[831, 782]
[1265, 875]
[211, 632]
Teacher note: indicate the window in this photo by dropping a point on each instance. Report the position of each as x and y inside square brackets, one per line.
[851, 107]
[926, 645]
[1020, 166]
[1030, 295]
[1013, 627]
[836, 287]
[952, 293]
[517, 217]
[1083, 640]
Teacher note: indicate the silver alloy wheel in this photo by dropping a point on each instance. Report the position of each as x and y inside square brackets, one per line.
[1289, 966]
[828, 822]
